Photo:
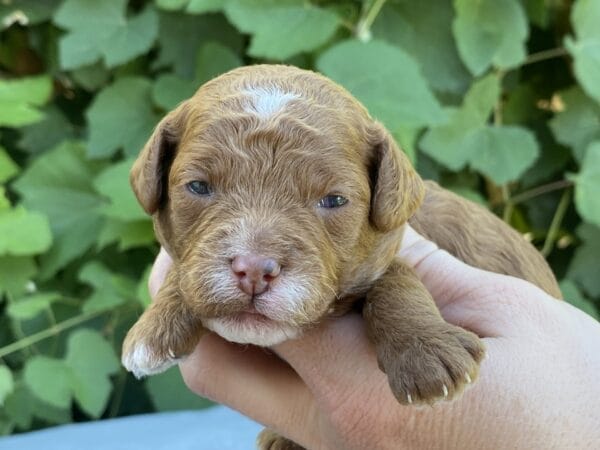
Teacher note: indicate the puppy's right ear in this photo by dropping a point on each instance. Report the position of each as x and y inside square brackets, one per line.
[149, 174]
[397, 189]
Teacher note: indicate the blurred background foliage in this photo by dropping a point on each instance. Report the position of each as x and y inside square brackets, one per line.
[498, 100]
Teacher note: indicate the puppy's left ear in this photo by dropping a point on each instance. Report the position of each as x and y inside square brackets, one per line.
[397, 189]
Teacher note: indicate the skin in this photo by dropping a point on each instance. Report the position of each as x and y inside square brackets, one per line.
[537, 387]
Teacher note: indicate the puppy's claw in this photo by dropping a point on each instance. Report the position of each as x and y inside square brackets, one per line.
[142, 361]
[172, 354]
[409, 398]
[445, 391]
[468, 378]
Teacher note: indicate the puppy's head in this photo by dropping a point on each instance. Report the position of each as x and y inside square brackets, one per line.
[277, 197]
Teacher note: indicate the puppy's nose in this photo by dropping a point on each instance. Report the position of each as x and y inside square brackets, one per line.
[254, 272]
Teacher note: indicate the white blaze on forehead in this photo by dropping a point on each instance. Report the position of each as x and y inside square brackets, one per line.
[267, 101]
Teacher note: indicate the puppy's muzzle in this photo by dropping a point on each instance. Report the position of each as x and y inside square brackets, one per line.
[254, 273]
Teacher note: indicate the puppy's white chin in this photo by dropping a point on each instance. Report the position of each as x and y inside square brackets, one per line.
[262, 332]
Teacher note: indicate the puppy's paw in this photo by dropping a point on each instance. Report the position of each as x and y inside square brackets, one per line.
[435, 366]
[144, 354]
[269, 440]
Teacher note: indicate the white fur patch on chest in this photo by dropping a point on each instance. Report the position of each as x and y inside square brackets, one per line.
[266, 101]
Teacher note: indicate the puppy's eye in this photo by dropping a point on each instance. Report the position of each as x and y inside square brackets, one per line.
[332, 201]
[199, 187]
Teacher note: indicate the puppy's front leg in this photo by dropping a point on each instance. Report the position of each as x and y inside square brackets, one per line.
[167, 331]
[425, 358]
[269, 440]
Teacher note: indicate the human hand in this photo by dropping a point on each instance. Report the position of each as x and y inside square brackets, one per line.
[536, 389]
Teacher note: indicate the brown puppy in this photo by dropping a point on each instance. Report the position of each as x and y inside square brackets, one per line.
[282, 202]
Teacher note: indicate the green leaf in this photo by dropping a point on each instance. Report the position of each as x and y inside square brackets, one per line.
[113, 183]
[8, 168]
[396, 93]
[53, 129]
[550, 163]
[26, 12]
[587, 185]
[578, 125]
[503, 153]
[572, 295]
[282, 28]
[110, 289]
[51, 414]
[101, 30]
[192, 6]
[20, 98]
[23, 232]
[405, 23]
[4, 203]
[92, 360]
[171, 5]
[585, 17]
[406, 137]
[453, 144]
[204, 6]
[180, 36]
[59, 184]
[539, 11]
[27, 308]
[520, 106]
[169, 393]
[169, 90]
[213, 59]
[6, 383]
[132, 40]
[19, 405]
[490, 32]
[469, 194]
[121, 116]
[49, 380]
[481, 98]
[584, 265]
[127, 234]
[91, 77]
[142, 293]
[16, 273]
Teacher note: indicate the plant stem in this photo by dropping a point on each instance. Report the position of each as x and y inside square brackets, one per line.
[363, 28]
[540, 190]
[118, 393]
[52, 320]
[544, 55]
[509, 206]
[21, 335]
[563, 204]
[44, 334]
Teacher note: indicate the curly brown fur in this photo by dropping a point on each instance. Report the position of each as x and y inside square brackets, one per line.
[269, 440]
[271, 142]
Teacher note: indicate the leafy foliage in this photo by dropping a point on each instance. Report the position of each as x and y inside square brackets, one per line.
[475, 91]
[490, 32]
[19, 99]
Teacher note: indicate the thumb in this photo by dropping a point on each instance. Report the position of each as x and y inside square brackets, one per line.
[490, 304]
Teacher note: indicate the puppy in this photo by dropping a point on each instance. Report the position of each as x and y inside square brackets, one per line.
[282, 202]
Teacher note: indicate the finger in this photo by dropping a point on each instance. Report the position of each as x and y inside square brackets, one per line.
[334, 358]
[255, 382]
[338, 363]
[159, 271]
[445, 277]
[487, 303]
